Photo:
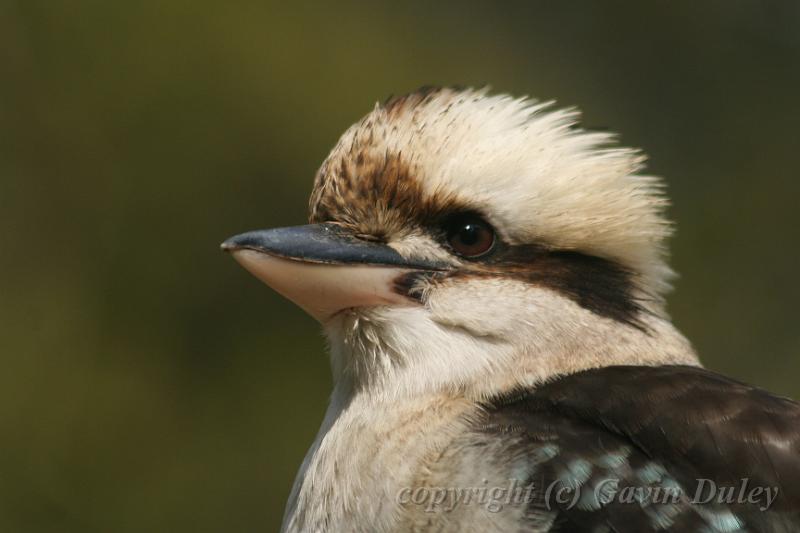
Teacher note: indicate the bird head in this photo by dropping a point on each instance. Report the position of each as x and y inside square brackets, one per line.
[473, 241]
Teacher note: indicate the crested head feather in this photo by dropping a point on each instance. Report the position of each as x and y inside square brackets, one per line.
[525, 166]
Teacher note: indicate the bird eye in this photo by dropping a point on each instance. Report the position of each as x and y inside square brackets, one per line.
[469, 236]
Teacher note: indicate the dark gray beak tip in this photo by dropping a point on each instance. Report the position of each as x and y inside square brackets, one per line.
[251, 239]
[230, 245]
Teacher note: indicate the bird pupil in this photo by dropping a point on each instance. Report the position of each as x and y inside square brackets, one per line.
[469, 234]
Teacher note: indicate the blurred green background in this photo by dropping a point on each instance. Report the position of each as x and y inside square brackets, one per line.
[150, 384]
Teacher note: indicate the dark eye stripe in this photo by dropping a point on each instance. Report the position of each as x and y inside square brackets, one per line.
[599, 285]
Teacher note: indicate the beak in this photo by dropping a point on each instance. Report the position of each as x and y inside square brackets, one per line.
[324, 268]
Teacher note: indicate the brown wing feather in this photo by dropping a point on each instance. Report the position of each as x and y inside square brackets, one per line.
[690, 422]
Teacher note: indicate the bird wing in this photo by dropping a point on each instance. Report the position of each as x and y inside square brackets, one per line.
[670, 448]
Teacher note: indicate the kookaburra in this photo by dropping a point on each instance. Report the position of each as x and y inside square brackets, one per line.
[490, 279]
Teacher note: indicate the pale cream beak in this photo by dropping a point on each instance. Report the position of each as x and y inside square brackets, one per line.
[323, 290]
[323, 269]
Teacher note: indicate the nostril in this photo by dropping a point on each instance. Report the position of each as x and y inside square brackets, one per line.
[371, 237]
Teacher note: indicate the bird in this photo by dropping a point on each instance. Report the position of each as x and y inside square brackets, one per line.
[490, 278]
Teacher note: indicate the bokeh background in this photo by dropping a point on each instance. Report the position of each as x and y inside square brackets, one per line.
[150, 384]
